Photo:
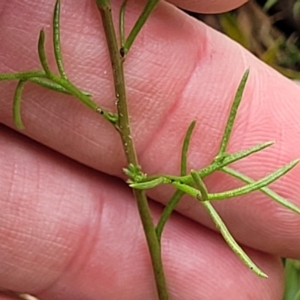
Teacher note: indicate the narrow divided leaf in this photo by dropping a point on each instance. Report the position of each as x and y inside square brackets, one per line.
[150, 6]
[44, 82]
[231, 158]
[21, 75]
[185, 147]
[224, 230]
[236, 248]
[200, 185]
[17, 105]
[178, 194]
[169, 208]
[233, 112]
[42, 54]
[147, 184]
[122, 24]
[256, 185]
[227, 159]
[253, 186]
[282, 201]
[187, 189]
[56, 40]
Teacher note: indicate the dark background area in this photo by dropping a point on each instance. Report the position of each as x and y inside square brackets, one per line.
[269, 29]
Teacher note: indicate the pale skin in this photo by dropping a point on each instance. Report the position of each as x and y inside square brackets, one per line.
[69, 230]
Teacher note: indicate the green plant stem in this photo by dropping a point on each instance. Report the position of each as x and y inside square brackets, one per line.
[123, 127]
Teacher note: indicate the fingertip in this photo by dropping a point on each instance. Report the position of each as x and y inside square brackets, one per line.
[203, 6]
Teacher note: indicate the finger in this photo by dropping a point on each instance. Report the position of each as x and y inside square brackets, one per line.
[215, 6]
[200, 85]
[7, 295]
[68, 232]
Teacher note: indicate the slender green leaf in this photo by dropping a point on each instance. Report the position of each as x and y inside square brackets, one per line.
[174, 200]
[187, 189]
[282, 201]
[66, 84]
[200, 185]
[147, 184]
[143, 17]
[228, 158]
[42, 54]
[224, 230]
[169, 208]
[17, 105]
[218, 164]
[122, 23]
[254, 185]
[44, 82]
[56, 40]
[185, 147]
[21, 75]
[235, 247]
[233, 112]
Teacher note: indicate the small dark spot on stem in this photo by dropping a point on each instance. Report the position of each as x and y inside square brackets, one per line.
[100, 111]
[122, 52]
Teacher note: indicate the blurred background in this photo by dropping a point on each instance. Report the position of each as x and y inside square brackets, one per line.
[270, 29]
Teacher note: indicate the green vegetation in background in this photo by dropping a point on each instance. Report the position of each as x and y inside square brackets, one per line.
[251, 27]
[292, 280]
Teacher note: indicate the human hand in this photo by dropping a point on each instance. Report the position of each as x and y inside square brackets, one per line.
[70, 230]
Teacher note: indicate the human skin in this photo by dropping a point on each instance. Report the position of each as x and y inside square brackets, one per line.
[69, 228]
